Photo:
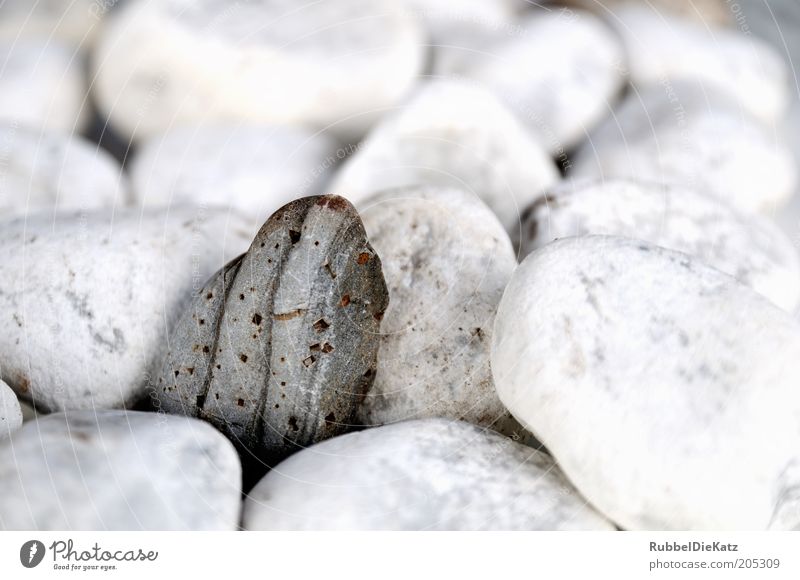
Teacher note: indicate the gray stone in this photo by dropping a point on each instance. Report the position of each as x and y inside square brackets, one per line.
[280, 346]
[430, 474]
[118, 470]
[10, 411]
[87, 298]
[665, 390]
[749, 247]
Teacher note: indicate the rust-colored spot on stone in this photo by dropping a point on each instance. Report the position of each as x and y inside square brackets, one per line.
[345, 300]
[321, 325]
[243, 358]
[363, 258]
[290, 315]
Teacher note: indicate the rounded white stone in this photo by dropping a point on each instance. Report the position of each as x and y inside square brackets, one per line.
[743, 66]
[44, 170]
[452, 133]
[665, 389]
[707, 12]
[86, 298]
[10, 411]
[459, 31]
[684, 133]
[329, 64]
[446, 260]
[42, 85]
[418, 475]
[72, 22]
[560, 75]
[749, 247]
[118, 470]
[254, 169]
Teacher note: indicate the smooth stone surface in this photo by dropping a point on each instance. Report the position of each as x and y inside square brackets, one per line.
[452, 133]
[447, 260]
[459, 31]
[684, 133]
[255, 169]
[750, 248]
[419, 475]
[42, 85]
[118, 470]
[86, 298]
[279, 347]
[10, 412]
[560, 75]
[43, 170]
[744, 67]
[664, 389]
[334, 65]
[73, 22]
[706, 12]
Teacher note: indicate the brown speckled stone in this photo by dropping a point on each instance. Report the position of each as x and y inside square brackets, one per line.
[280, 345]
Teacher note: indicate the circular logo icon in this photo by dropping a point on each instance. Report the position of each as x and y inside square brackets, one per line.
[31, 553]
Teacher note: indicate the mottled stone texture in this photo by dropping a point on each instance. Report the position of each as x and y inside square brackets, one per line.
[430, 474]
[280, 346]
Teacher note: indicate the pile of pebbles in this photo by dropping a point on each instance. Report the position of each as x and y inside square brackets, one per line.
[379, 264]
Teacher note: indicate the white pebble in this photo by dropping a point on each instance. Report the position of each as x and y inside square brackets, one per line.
[255, 169]
[749, 247]
[418, 475]
[455, 134]
[560, 75]
[446, 260]
[44, 170]
[42, 86]
[665, 390]
[10, 411]
[86, 298]
[743, 66]
[334, 65]
[117, 470]
[684, 133]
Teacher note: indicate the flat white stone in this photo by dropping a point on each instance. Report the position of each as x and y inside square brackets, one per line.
[86, 298]
[750, 248]
[665, 390]
[118, 470]
[42, 85]
[10, 412]
[559, 75]
[446, 260]
[452, 133]
[46, 170]
[334, 65]
[255, 169]
[687, 134]
[743, 66]
[418, 475]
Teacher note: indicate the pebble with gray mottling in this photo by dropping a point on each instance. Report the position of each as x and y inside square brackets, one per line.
[430, 474]
[749, 247]
[118, 470]
[655, 381]
[86, 298]
[280, 346]
[10, 412]
[447, 259]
